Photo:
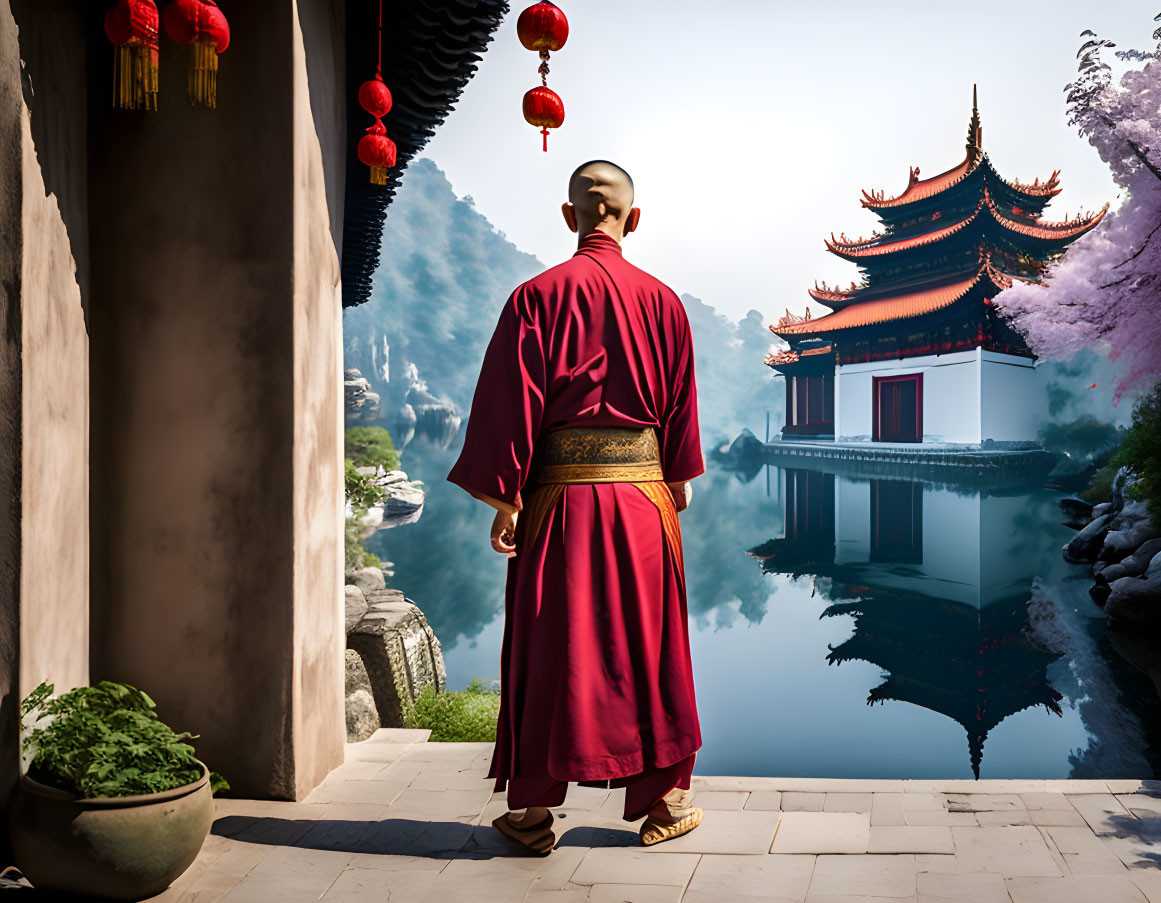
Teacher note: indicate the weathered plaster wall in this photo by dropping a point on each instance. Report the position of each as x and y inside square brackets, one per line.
[1010, 389]
[319, 634]
[43, 361]
[216, 411]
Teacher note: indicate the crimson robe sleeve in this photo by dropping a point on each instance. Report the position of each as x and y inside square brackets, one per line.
[508, 405]
[681, 455]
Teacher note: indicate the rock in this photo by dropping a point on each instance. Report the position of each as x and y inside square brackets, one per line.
[356, 605]
[435, 419]
[1137, 600]
[362, 716]
[1083, 547]
[747, 445]
[1133, 566]
[1077, 510]
[400, 651]
[1130, 515]
[1119, 543]
[402, 500]
[362, 405]
[368, 580]
[1102, 509]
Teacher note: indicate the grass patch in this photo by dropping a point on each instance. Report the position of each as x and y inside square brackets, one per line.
[1100, 488]
[371, 446]
[468, 716]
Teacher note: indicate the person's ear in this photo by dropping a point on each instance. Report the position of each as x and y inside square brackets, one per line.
[569, 212]
[632, 220]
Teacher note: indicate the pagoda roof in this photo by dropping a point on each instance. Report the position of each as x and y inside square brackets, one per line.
[974, 160]
[793, 356]
[824, 294]
[1069, 229]
[893, 307]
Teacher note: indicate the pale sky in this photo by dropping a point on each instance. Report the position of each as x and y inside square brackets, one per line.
[751, 127]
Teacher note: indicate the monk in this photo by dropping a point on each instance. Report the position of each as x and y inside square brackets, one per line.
[583, 436]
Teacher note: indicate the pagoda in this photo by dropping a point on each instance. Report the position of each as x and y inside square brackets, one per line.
[916, 352]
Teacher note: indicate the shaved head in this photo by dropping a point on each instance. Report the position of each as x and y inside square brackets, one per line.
[600, 192]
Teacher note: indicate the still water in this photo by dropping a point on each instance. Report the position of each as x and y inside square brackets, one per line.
[849, 627]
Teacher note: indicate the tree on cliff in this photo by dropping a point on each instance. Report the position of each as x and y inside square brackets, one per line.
[1104, 293]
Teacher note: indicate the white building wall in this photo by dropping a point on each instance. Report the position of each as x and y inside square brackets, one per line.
[951, 396]
[1010, 391]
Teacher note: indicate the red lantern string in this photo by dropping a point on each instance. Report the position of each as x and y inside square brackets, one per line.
[375, 149]
[543, 27]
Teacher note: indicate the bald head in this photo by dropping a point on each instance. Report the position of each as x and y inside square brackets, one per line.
[600, 195]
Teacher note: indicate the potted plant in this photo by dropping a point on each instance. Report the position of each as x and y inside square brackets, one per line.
[113, 802]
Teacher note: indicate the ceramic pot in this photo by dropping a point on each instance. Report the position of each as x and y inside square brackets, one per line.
[122, 848]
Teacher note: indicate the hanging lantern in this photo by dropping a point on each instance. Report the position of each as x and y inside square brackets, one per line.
[543, 107]
[377, 151]
[132, 27]
[543, 27]
[201, 25]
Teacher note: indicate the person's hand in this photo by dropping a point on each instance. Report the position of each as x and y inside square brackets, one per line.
[682, 493]
[504, 533]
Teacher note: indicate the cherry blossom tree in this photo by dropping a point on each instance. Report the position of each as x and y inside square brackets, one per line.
[1106, 292]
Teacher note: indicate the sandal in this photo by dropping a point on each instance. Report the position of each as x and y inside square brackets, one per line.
[536, 839]
[688, 817]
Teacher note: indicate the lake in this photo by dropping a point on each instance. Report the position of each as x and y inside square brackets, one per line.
[845, 627]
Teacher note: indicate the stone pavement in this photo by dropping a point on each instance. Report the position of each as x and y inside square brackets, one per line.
[407, 820]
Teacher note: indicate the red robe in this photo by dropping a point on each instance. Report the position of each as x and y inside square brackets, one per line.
[596, 678]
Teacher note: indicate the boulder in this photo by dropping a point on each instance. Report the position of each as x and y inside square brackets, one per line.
[1120, 543]
[1137, 600]
[356, 605]
[1133, 566]
[1083, 547]
[368, 580]
[362, 405]
[401, 653]
[1096, 510]
[362, 716]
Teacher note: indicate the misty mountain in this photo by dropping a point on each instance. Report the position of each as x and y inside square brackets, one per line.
[446, 273]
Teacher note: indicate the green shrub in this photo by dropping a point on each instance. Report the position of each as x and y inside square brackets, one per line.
[1141, 451]
[355, 554]
[465, 717]
[371, 446]
[362, 490]
[1100, 488]
[106, 741]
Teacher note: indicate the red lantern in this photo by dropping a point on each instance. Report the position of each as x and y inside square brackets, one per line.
[132, 26]
[377, 151]
[543, 27]
[375, 97]
[543, 107]
[202, 25]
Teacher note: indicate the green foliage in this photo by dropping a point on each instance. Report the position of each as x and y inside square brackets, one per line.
[363, 491]
[1100, 488]
[1141, 451]
[371, 446]
[106, 741]
[1083, 441]
[466, 717]
[355, 554]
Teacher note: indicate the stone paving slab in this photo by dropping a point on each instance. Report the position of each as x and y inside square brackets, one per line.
[409, 820]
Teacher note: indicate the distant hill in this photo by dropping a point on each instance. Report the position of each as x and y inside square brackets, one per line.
[445, 275]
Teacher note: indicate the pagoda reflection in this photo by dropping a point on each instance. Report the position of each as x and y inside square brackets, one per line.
[937, 588]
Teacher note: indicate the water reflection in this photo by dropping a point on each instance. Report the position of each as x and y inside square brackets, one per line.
[937, 596]
[950, 607]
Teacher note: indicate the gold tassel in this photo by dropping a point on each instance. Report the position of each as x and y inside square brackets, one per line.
[379, 175]
[135, 77]
[203, 75]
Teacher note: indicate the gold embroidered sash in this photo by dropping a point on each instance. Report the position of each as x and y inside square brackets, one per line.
[599, 455]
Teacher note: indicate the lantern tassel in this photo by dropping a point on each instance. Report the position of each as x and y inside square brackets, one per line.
[203, 75]
[135, 77]
[378, 175]
[544, 132]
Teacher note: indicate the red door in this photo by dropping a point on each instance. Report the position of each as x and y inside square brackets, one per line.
[897, 408]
